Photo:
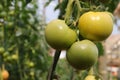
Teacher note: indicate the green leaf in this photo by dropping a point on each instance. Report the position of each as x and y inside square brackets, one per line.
[28, 1]
[100, 48]
[47, 3]
[57, 7]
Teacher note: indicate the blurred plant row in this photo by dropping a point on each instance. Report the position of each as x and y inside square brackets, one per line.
[23, 50]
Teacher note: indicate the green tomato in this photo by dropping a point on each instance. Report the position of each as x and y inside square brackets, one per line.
[31, 64]
[3, 14]
[1, 24]
[96, 26]
[82, 54]
[14, 57]
[58, 35]
[10, 25]
[111, 15]
[2, 50]
[11, 13]
[90, 77]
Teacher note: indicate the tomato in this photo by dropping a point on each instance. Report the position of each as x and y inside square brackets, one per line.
[5, 74]
[10, 25]
[31, 64]
[96, 26]
[1, 24]
[58, 35]
[3, 14]
[2, 50]
[32, 73]
[111, 15]
[11, 13]
[14, 57]
[82, 54]
[6, 54]
[90, 77]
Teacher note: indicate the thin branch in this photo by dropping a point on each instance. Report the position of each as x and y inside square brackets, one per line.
[52, 69]
[68, 11]
[79, 9]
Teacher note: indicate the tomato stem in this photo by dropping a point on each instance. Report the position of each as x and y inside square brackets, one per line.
[3, 67]
[52, 69]
[1, 78]
[19, 65]
[68, 11]
[91, 71]
[79, 8]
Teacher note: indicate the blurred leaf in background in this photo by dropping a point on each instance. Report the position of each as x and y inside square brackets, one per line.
[23, 49]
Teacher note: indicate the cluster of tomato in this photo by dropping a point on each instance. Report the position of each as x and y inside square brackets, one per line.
[92, 26]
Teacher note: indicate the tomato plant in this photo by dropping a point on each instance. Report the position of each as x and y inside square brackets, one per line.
[59, 35]
[92, 23]
[23, 48]
[22, 40]
[82, 54]
[95, 26]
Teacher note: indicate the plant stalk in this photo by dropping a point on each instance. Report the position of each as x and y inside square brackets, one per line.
[79, 8]
[52, 69]
[68, 11]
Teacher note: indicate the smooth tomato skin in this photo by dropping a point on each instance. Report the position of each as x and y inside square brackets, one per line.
[58, 35]
[82, 54]
[96, 26]
[111, 15]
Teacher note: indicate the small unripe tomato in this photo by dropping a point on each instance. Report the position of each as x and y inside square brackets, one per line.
[58, 35]
[90, 77]
[82, 54]
[14, 57]
[96, 26]
[2, 50]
